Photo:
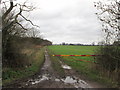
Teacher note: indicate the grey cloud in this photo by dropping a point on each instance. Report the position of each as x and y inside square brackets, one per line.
[67, 21]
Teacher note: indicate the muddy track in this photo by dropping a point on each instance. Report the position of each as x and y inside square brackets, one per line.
[79, 81]
[47, 78]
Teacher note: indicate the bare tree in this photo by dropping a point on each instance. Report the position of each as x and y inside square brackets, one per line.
[12, 20]
[33, 32]
[22, 8]
[109, 15]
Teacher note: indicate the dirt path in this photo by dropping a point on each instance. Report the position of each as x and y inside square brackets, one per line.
[47, 78]
[79, 81]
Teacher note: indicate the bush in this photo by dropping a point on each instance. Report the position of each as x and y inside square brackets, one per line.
[109, 61]
[110, 58]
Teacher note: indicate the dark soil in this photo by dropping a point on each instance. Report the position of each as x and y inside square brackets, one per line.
[47, 78]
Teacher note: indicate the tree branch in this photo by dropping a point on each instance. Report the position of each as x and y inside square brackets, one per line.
[8, 11]
[21, 26]
[29, 21]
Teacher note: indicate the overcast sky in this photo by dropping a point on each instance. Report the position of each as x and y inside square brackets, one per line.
[70, 21]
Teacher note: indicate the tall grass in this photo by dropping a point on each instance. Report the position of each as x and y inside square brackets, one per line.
[36, 57]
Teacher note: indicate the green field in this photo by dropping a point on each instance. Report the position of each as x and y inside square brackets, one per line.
[87, 69]
[74, 61]
[75, 50]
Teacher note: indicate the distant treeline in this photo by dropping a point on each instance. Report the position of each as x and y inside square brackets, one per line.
[78, 44]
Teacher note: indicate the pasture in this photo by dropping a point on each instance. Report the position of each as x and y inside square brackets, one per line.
[75, 50]
[78, 63]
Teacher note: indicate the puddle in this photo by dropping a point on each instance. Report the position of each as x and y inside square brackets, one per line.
[82, 82]
[39, 79]
[68, 79]
[57, 80]
[66, 67]
[78, 83]
[75, 81]
[44, 78]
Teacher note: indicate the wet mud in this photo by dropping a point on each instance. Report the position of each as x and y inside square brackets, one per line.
[47, 78]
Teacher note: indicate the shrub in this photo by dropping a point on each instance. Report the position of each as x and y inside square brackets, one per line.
[109, 62]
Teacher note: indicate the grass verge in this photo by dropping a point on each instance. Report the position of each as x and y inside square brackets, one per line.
[56, 64]
[11, 74]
